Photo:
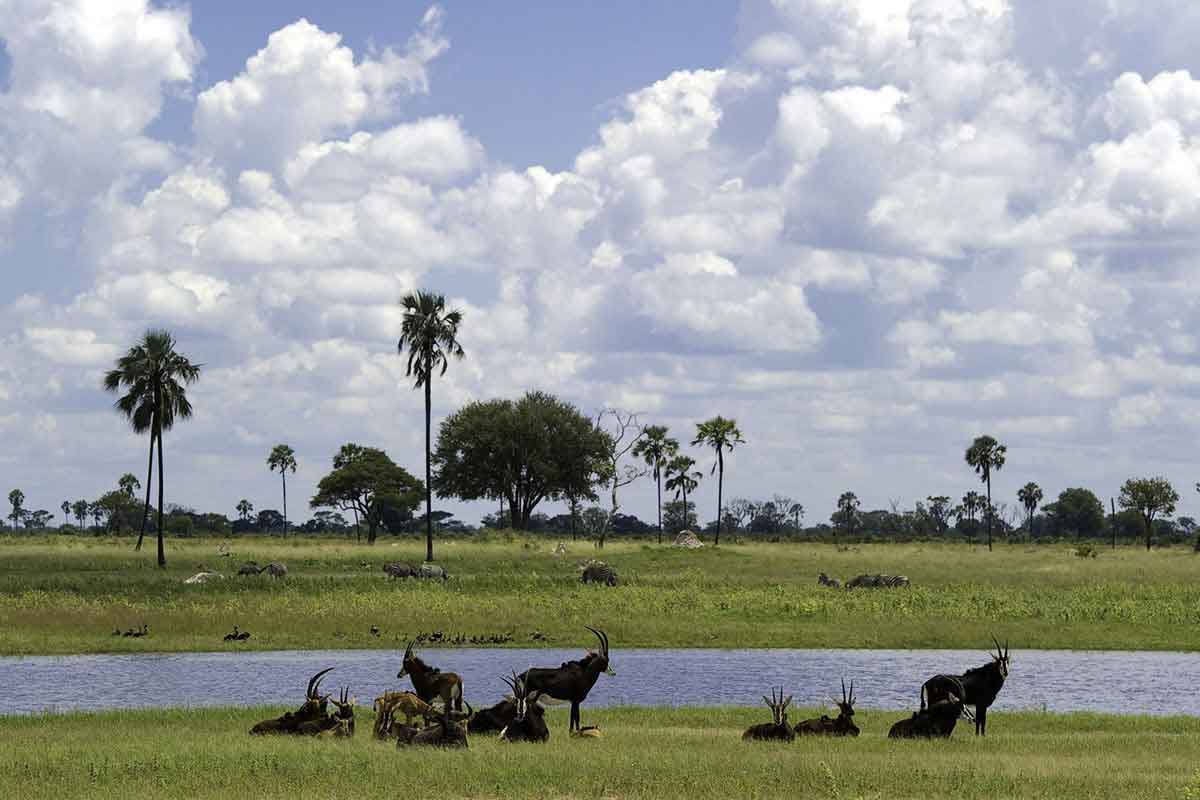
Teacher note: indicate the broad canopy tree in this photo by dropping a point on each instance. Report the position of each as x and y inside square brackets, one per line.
[523, 452]
[1150, 497]
[366, 481]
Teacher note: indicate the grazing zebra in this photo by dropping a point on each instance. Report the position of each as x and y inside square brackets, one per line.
[877, 581]
[825, 580]
[249, 568]
[398, 569]
[432, 571]
[275, 569]
[598, 572]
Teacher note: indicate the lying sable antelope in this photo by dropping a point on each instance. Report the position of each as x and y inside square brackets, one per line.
[528, 723]
[431, 682]
[824, 726]
[935, 722]
[313, 710]
[390, 705]
[777, 729]
[448, 729]
[977, 687]
[341, 724]
[573, 679]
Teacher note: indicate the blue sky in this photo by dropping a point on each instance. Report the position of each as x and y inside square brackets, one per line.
[870, 230]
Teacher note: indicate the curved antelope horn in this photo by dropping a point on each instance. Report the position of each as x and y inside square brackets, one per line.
[787, 702]
[603, 641]
[999, 651]
[314, 683]
[851, 701]
[1006, 649]
[844, 690]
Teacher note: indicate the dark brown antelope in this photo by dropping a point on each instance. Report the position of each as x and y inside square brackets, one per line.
[528, 723]
[573, 679]
[313, 710]
[430, 682]
[977, 687]
[777, 729]
[935, 722]
[843, 725]
[341, 724]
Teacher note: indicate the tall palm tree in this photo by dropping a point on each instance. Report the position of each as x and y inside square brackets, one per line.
[720, 434]
[283, 458]
[986, 455]
[17, 498]
[429, 332]
[66, 509]
[682, 480]
[153, 376]
[656, 449]
[244, 507]
[129, 484]
[1030, 495]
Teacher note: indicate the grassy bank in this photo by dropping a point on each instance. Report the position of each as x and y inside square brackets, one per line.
[686, 753]
[66, 595]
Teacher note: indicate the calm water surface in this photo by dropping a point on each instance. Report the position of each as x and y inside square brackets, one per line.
[1119, 682]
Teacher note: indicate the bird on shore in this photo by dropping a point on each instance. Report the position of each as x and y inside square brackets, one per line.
[375, 630]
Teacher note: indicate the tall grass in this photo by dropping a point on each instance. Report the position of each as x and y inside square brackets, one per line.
[63, 595]
[645, 753]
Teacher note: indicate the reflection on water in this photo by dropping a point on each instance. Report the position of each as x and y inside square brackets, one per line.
[1119, 682]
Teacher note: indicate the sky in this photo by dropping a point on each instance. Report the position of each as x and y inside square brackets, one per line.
[868, 230]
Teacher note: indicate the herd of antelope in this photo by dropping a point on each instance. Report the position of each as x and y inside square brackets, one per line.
[520, 718]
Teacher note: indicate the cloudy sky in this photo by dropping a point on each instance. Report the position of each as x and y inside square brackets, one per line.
[869, 230]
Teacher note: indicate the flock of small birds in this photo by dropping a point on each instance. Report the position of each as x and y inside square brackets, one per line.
[430, 637]
[135, 633]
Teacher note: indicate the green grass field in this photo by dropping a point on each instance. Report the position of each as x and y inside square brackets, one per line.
[645, 753]
[65, 595]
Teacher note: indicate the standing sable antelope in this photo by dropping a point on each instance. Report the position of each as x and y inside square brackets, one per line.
[778, 729]
[528, 723]
[935, 722]
[824, 726]
[977, 687]
[431, 682]
[573, 679]
[313, 710]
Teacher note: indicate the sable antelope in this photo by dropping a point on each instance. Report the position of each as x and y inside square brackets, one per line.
[341, 724]
[936, 721]
[824, 726]
[977, 687]
[494, 719]
[573, 679]
[447, 730]
[431, 682]
[778, 729]
[528, 723]
[313, 710]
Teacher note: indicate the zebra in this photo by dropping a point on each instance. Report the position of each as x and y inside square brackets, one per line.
[398, 569]
[598, 572]
[877, 581]
[825, 580]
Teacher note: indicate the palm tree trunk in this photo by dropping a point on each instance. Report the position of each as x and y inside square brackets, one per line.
[428, 470]
[149, 476]
[720, 481]
[988, 510]
[162, 556]
[283, 474]
[658, 478]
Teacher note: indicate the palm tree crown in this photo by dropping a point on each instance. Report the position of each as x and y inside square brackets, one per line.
[430, 334]
[282, 458]
[721, 435]
[656, 449]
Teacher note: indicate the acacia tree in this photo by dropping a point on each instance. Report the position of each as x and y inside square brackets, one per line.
[430, 333]
[721, 435]
[366, 480]
[939, 511]
[1150, 497]
[986, 455]
[283, 458]
[17, 499]
[1030, 496]
[656, 449]
[524, 451]
[682, 479]
[153, 376]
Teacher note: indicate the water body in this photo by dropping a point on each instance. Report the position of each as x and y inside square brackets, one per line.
[1057, 680]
